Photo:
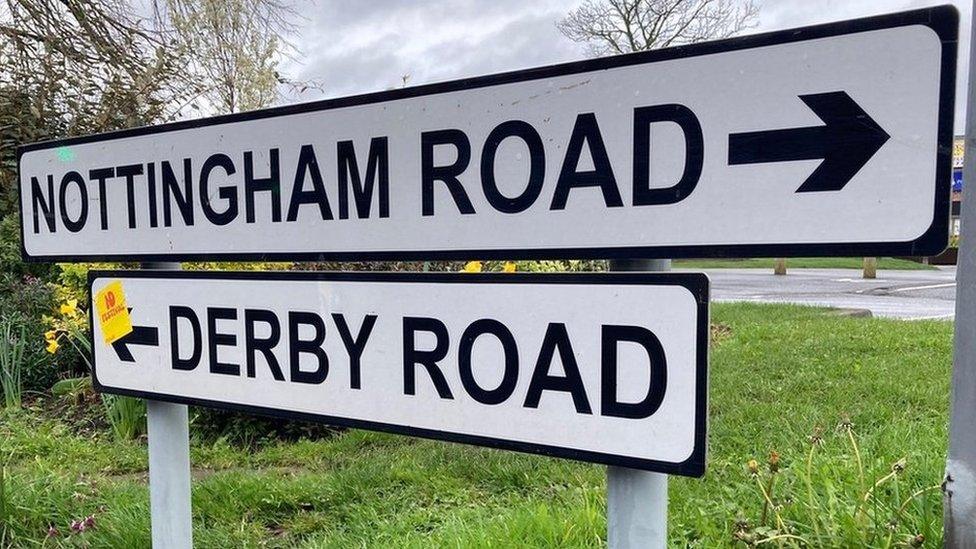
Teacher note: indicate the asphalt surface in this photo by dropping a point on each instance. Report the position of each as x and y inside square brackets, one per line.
[894, 294]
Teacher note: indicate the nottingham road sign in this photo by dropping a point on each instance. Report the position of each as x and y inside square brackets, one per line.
[825, 140]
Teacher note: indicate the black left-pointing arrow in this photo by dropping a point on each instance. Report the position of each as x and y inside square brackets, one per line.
[847, 140]
[140, 335]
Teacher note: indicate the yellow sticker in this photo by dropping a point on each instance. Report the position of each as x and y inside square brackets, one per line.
[113, 314]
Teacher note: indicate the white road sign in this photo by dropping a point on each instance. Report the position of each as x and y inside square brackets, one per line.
[608, 368]
[826, 140]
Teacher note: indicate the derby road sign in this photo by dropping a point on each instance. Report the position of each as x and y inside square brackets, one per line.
[608, 368]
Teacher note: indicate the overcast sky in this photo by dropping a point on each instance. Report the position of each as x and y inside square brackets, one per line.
[358, 47]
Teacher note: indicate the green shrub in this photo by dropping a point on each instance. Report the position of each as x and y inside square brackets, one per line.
[237, 266]
[249, 430]
[72, 279]
[11, 261]
[474, 265]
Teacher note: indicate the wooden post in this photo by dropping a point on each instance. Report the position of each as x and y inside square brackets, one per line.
[870, 267]
[779, 267]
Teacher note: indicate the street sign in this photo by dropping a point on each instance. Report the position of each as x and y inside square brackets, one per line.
[607, 368]
[826, 140]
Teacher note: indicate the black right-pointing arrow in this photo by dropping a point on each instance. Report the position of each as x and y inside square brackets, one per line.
[140, 335]
[846, 142]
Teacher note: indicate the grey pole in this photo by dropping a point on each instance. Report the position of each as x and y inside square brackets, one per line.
[169, 466]
[637, 501]
[960, 480]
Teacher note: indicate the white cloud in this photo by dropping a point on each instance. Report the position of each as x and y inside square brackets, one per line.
[364, 46]
[368, 46]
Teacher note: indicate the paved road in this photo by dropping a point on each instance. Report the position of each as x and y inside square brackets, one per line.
[895, 294]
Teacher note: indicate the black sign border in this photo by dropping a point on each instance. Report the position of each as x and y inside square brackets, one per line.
[944, 20]
[696, 283]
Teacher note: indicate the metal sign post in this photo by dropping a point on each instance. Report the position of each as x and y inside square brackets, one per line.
[637, 501]
[169, 466]
[960, 479]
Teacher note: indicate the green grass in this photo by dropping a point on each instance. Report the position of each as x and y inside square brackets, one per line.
[779, 374]
[884, 263]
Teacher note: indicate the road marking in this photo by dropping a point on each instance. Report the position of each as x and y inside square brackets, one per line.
[927, 287]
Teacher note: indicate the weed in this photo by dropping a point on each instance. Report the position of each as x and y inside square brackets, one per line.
[831, 514]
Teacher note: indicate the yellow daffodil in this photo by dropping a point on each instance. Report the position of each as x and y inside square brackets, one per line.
[52, 346]
[69, 307]
[50, 334]
[472, 267]
[508, 267]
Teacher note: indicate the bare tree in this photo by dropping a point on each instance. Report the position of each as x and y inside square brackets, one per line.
[73, 67]
[624, 26]
[87, 65]
[234, 47]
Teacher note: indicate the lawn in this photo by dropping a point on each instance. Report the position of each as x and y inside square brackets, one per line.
[884, 263]
[823, 392]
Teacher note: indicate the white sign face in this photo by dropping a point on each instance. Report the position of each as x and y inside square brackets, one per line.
[608, 368]
[826, 140]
